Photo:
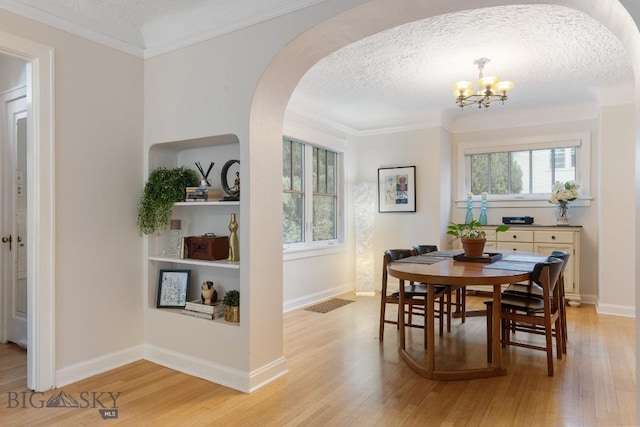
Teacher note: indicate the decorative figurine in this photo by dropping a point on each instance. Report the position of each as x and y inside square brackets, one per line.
[236, 182]
[208, 294]
[233, 192]
[234, 250]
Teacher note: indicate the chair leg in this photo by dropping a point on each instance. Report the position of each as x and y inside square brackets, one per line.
[563, 314]
[489, 332]
[463, 301]
[383, 304]
[505, 332]
[559, 346]
[441, 315]
[549, 344]
[449, 302]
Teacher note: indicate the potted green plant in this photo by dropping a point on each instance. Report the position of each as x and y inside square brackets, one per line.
[472, 236]
[231, 303]
[164, 187]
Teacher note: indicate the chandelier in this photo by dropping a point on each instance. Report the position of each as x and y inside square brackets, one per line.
[491, 89]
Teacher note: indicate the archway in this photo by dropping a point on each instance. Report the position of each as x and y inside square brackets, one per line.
[287, 68]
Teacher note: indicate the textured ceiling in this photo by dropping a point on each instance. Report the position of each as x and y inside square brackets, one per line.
[404, 75]
[401, 77]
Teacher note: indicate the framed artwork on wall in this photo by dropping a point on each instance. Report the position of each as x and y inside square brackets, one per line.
[173, 288]
[397, 189]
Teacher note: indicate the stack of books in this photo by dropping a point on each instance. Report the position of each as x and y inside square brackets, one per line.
[197, 194]
[198, 309]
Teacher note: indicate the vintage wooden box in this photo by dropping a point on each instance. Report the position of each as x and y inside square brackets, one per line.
[208, 248]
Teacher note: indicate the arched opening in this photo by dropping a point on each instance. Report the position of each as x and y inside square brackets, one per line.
[285, 71]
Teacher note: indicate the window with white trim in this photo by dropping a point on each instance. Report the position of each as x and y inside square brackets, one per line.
[522, 169]
[311, 195]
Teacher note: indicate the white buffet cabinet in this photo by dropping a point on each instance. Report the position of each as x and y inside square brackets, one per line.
[543, 240]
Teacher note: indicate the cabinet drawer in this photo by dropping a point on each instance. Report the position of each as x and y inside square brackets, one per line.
[490, 234]
[515, 246]
[516, 236]
[553, 237]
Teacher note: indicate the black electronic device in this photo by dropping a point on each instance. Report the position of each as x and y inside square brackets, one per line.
[514, 220]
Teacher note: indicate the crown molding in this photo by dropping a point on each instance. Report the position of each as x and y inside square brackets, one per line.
[170, 34]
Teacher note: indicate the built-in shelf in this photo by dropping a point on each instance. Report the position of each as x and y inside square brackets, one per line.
[178, 312]
[223, 263]
[219, 203]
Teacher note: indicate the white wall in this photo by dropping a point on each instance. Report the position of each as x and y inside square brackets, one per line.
[13, 73]
[98, 134]
[426, 149]
[616, 250]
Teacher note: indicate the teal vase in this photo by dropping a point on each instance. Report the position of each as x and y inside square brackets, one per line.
[469, 217]
[483, 212]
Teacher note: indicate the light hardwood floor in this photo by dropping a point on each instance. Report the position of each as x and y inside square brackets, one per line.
[341, 375]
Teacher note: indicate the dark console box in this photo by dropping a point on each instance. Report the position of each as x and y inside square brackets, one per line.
[208, 248]
[514, 220]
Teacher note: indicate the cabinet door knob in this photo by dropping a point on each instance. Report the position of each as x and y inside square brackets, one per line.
[553, 237]
[514, 236]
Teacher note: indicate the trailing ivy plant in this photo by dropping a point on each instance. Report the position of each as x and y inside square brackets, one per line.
[163, 188]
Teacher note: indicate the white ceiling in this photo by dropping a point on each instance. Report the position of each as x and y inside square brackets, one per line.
[151, 27]
[397, 78]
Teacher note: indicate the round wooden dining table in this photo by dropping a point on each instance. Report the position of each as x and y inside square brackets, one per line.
[453, 273]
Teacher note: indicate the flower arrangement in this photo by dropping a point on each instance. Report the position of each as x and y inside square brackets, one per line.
[561, 195]
[564, 192]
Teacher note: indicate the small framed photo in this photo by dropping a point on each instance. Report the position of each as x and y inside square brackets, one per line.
[173, 288]
[397, 189]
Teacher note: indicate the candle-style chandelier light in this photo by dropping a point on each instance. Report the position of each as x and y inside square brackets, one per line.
[491, 89]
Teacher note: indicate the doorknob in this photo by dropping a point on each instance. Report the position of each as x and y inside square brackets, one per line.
[7, 240]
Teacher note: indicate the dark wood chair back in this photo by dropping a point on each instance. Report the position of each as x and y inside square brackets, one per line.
[424, 249]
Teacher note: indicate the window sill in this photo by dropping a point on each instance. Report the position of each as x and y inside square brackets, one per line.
[522, 203]
[292, 254]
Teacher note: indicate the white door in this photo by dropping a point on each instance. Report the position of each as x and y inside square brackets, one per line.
[14, 237]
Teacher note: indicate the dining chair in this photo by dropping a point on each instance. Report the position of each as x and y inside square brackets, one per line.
[460, 291]
[531, 289]
[532, 314]
[424, 249]
[415, 297]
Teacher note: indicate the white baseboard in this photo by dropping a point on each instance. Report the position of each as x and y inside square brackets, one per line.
[236, 379]
[98, 365]
[268, 373]
[246, 382]
[616, 310]
[366, 293]
[306, 300]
